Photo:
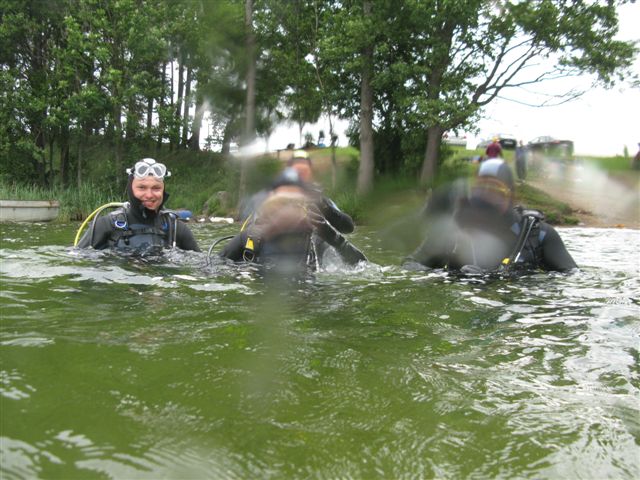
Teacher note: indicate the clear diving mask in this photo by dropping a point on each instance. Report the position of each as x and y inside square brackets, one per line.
[148, 166]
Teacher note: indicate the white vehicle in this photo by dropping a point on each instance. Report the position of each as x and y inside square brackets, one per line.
[455, 140]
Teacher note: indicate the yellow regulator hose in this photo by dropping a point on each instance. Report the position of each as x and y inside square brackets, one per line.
[90, 217]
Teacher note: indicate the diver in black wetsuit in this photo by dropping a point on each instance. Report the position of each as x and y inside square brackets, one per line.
[141, 225]
[486, 233]
[288, 228]
[301, 163]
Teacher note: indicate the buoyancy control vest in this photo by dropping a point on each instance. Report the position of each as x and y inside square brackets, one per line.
[525, 252]
[528, 248]
[128, 235]
[279, 233]
[288, 247]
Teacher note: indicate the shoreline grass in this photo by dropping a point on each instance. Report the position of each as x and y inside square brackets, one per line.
[206, 183]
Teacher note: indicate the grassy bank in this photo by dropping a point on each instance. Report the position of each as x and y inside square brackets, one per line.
[207, 184]
[610, 164]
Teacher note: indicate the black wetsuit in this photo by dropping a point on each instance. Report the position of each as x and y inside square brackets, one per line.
[307, 244]
[327, 234]
[480, 236]
[138, 229]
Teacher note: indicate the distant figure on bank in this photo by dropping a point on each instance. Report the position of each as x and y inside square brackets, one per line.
[521, 161]
[142, 225]
[487, 233]
[494, 149]
[635, 164]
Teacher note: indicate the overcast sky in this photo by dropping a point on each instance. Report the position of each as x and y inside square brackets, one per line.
[601, 122]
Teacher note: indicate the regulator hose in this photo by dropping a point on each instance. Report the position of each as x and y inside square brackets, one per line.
[215, 242]
[92, 215]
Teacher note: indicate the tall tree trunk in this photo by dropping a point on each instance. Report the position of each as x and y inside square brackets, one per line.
[175, 137]
[365, 172]
[132, 121]
[226, 138]
[194, 141]
[79, 162]
[334, 163]
[430, 163]
[149, 114]
[147, 134]
[250, 105]
[117, 150]
[439, 62]
[63, 176]
[161, 123]
[185, 117]
[51, 177]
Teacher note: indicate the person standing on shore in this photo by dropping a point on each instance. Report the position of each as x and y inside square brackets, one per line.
[494, 149]
[635, 163]
[521, 161]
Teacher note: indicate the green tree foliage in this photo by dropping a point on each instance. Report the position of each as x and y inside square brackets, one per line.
[142, 74]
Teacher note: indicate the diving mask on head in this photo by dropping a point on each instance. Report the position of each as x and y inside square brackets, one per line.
[147, 167]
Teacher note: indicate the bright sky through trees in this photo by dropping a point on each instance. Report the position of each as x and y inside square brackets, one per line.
[601, 122]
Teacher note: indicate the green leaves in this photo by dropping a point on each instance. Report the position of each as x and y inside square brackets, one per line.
[74, 66]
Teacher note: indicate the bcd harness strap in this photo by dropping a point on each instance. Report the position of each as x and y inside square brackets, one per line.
[123, 230]
[530, 221]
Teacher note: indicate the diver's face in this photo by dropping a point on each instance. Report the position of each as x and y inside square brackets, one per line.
[149, 191]
[304, 170]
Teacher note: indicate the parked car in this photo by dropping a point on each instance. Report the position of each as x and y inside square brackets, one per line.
[507, 141]
[454, 139]
[551, 146]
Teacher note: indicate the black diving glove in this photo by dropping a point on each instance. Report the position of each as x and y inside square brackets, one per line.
[324, 229]
[349, 253]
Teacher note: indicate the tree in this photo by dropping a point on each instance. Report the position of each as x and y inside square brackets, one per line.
[484, 49]
[366, 170]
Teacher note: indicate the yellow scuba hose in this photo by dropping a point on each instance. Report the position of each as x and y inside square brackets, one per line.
[246, 222]
[90, 217]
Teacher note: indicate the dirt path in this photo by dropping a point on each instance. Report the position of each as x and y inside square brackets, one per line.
[598, 198]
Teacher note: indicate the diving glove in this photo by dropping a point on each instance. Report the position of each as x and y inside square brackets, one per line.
[324, 229]
[349, 253]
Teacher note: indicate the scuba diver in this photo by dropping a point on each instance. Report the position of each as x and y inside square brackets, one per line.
[140, 225]
[289, 229]
[487, 233]
[301, 163]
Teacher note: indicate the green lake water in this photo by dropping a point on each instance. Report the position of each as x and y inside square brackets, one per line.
[122, 368]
